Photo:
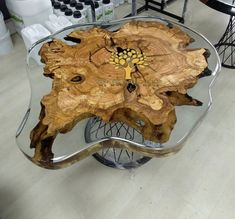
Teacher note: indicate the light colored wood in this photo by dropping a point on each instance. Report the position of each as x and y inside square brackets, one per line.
[138, 73]
[196, 183]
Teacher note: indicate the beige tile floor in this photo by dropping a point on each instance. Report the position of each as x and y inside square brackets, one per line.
[196, 183]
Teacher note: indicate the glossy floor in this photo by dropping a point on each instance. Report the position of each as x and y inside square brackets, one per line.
[198, 182]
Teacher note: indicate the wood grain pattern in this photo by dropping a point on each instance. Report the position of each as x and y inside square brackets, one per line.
[197, 183]
[139, 72]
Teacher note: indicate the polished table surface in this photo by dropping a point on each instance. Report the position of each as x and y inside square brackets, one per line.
[197, 183]
[225, 6]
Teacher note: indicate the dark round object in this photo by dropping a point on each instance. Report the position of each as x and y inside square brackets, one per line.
[106, 2]
[79, 6]
[77, 14]
[82, 1]
[68, 12]
[73, 3]
[56, 5]
[87, 2]
[77, 79]
[63, 8]
[96, 4]
[66, 2]
[131, 87]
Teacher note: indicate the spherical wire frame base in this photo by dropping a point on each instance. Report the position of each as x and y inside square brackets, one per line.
[115, 157]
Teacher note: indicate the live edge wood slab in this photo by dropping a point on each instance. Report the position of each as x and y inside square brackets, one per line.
[138, 73]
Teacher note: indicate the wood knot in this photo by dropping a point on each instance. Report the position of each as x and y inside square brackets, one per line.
[131, 87]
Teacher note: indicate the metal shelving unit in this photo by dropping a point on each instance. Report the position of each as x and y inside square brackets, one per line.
[159, 6]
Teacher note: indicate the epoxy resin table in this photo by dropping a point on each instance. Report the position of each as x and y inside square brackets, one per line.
[114, 144]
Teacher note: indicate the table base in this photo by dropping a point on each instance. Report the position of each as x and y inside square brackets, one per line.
[226, 45]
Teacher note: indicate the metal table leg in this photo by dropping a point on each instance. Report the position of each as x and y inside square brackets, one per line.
[226, 45]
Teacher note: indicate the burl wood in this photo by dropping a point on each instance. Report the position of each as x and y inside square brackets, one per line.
[140, 72]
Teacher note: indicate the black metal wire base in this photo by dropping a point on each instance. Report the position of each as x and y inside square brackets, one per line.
[125, 165]
[226, 45]
[116, 157]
